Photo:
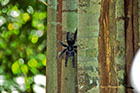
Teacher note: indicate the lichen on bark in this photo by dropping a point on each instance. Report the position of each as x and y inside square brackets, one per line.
[88, 15]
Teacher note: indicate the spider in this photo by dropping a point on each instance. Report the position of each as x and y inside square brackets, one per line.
[70, 49]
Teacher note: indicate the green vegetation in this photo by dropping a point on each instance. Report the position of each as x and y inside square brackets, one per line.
[23, 25]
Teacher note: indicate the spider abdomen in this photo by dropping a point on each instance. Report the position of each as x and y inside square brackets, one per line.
[70, 53]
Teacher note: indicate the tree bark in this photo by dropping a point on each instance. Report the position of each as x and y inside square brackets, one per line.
[111, 46]
[120, 44]
[132, 36]
[69, 24]
[107, 40]
[51, 68]
[59, 37]
[136, 25]
[88, 30]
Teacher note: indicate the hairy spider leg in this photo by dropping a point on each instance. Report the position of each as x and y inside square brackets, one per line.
[62, 44]
[66, 59]
[74, 46]
[67, 37]
[73, 59]
[75, 35]
[75, 50]
[62, 52]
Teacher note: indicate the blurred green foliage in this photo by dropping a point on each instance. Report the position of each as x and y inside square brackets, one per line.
[23, 26]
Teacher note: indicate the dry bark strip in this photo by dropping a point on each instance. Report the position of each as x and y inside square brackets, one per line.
[135, 25]
[59, 37]
[107, 72]
[132, 36]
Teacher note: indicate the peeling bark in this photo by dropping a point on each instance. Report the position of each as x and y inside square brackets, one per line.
[107, 48]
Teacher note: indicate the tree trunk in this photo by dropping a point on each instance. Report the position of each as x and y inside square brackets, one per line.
[107, 47]
[61, 19]
[69, 24]
[59, 37]
[119, 54]
[132, 36]
[88, 30]
[51, 68]
[139, 20]
[107, 40]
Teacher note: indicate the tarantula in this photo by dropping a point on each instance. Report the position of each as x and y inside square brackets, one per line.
[70, 49]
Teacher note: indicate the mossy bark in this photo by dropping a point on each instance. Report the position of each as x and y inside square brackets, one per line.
[61, 19]
[107, 41]
[120, 45]
[51, 68]
[88, 27]
[69, 24]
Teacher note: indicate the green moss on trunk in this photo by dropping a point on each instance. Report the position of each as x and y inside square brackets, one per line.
[88, 25]
[69, 24]
[51, 68]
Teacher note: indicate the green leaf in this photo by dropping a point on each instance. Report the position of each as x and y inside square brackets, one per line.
[26, 16]
[24, 69]
[34, 39]
[15, 68]
[44, 62]
[33, 63]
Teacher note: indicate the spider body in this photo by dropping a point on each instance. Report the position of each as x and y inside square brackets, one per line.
[70, 49]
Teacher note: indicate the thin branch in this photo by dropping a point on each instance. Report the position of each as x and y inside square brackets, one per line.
[43, 2]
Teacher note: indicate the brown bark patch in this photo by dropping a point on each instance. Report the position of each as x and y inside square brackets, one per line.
[59, 37]
[132, 36]
[107, 74]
